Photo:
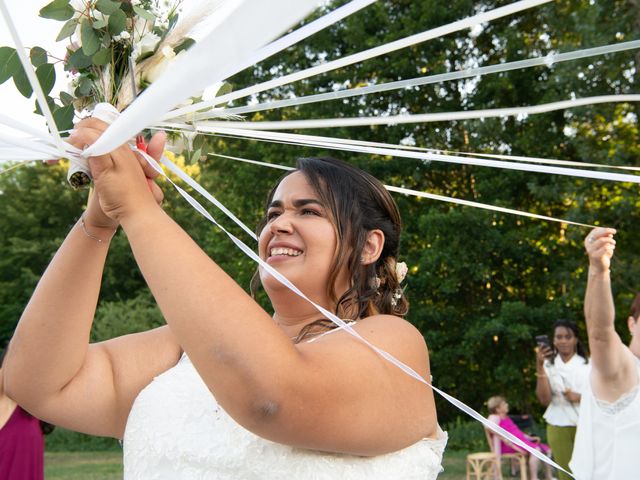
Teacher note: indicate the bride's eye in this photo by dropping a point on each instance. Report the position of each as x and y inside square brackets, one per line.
[272, 214]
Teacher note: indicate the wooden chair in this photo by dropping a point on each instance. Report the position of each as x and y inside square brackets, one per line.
[488, 465]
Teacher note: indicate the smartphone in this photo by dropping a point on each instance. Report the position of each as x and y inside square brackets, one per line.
[543, 341]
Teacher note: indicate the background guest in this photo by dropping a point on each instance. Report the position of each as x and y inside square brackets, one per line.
[560, 372]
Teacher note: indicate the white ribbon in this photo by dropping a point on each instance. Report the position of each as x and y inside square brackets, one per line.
[31, 75]
[547, 60]
[425, 117]
[397, 152]
[362, 56]
[298, 139]
[431, 196]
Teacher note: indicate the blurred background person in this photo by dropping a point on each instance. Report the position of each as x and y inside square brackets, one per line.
[560, 372]
[499, 413]
[21, 439]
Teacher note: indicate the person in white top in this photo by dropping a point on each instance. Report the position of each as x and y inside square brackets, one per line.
[606, 446]
[252, 387]
[560, 372]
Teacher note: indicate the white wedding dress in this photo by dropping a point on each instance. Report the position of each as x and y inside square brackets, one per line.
[176, 430]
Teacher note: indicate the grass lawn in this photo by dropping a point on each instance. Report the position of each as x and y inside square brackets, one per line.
[108, 465]
[83, 465]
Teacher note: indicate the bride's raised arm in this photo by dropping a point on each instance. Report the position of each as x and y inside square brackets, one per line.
[50, 368]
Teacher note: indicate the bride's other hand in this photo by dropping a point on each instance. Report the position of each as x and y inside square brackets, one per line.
[123, 180]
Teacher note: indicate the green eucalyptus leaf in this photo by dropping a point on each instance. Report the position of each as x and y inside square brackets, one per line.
[84, 87]
[107, 6]
[66, 99]
[9, 63]
[67, 29]
[38, 56]
[46, 77]
[141, 12]
[195, 157]
[63, 116]
[57, 10]
[22, 82]
[102, 57]
[185, 44]
[100, 24]
[224, 89]
[89, 39]
[173, 19]
[79, 60]
[117, 22]
[50, 103]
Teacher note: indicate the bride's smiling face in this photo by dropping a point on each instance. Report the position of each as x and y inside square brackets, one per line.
[299, 239]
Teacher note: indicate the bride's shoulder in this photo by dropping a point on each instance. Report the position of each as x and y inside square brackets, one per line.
[391, 330]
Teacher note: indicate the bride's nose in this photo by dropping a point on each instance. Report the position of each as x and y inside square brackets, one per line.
[281, 224]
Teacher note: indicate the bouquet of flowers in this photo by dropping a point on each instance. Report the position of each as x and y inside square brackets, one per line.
[115, 49]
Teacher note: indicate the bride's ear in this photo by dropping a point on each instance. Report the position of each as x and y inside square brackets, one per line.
[372, 247]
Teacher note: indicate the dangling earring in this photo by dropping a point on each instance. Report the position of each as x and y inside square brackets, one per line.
[397, 295]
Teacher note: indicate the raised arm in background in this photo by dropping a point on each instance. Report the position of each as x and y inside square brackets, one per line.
[614, 370]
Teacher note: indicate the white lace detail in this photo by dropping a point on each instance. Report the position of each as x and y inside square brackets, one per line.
[613, 408]
[176, 430]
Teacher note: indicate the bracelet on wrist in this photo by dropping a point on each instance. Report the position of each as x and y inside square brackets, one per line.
[90, 235]
[541, 375]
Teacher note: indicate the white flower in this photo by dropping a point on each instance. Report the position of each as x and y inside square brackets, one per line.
[401, 271]
[123, 35]
[147, 44]
[135, 3]
[141, 27]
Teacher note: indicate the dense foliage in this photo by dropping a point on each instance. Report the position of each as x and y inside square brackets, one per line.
[481, 284]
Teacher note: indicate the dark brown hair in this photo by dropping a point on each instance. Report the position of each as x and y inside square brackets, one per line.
[635, 307]
[356, 203]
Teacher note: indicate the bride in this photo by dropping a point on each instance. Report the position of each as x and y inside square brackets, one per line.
[227, 390]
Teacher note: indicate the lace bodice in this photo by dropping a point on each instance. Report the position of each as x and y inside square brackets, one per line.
[176, 430]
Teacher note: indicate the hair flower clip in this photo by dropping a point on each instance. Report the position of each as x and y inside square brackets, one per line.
[401, 271]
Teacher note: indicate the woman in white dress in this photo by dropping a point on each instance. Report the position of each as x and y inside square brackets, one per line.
[560, 374]
[606, 446]
[257, 394]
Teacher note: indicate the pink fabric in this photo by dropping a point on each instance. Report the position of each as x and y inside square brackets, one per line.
[21, 447]
[513, 429]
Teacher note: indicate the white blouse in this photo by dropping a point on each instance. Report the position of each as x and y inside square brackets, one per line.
[562, 376]
[608, 437]
[176, 430]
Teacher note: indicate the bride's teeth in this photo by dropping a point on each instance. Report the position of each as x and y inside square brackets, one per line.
[285, 251]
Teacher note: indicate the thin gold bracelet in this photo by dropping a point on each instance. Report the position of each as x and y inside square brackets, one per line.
[541, 375]
[93, 237]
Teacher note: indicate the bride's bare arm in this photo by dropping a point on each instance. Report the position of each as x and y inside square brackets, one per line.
[50, 367]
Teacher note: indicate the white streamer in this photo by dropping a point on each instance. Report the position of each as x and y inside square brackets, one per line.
[362, 56]
[547, 60]
[348, 141]
[431, 196]
[426, 117]
[395, 152]
[31, 75]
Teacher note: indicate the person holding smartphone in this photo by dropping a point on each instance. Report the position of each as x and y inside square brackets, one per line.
[560, 372]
